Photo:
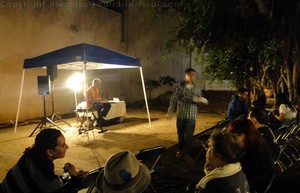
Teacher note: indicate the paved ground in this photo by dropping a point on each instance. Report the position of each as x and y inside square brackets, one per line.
[172, 174]
[133, 134]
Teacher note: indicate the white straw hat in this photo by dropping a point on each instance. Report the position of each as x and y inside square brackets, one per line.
[123, 174]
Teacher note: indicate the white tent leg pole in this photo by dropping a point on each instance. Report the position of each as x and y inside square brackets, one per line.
[75, 97]
[85, 90]
[145, 95]
[19, 103]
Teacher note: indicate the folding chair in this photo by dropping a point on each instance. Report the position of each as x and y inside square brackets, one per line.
[284, 131]
[150, 157]
[87, 120]
[289, 143]
[95, 173]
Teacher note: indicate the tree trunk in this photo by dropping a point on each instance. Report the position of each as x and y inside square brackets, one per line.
[296, 78]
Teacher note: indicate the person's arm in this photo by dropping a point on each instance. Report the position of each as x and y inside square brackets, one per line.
[89, 95]
[97, 95]
[280, 117]
[93, 96]
[231, 111]
[197, 97]
[77, 177]
[173, 101]
[70, 168]
[282, 113]
[197, 92]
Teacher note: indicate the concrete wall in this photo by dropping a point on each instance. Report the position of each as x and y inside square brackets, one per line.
[28, 30]
[148, 33]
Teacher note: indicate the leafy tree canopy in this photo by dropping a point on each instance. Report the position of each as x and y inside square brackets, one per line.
[253, 43]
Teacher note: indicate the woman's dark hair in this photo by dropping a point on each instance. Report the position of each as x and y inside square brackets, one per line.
[260, 115]
[46, 139]
[226, 146]
[253, 140]
[281, 98]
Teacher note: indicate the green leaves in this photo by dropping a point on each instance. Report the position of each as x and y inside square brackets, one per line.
[253, 42]
[163, 80]
[152, 84]
[167, 80]
[232, 34]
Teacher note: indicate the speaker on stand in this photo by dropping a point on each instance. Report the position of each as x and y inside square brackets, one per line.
[52, 73]
[44, 89]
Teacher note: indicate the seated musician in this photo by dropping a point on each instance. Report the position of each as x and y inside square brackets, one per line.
[95, 101]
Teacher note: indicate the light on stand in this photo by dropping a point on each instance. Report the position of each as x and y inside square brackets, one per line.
[75, 82]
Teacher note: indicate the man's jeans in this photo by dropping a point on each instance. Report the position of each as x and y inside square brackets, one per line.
[185, 131]
[102, 110]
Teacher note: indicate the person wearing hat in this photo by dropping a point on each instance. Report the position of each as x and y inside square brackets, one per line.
[34, 172]
[123, 174]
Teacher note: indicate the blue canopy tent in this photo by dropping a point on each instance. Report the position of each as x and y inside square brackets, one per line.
[83, 57]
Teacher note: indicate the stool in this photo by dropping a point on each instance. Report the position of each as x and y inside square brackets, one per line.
[87, 119]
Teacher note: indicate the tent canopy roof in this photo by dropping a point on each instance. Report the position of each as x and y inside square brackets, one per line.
[74, 57]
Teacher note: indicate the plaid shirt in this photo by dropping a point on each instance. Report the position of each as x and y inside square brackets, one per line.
[183, 98]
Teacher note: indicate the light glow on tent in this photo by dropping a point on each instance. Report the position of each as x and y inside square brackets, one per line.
[75, 82]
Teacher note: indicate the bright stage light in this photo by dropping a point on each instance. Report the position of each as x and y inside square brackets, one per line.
[75, 82]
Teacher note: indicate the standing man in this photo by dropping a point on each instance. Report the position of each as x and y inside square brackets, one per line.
[95, 101]
[186, 96]
[238, 105]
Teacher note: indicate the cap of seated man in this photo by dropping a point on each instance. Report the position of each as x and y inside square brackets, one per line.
[123, 173]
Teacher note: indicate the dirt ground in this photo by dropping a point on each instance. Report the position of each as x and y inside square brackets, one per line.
[90, 152]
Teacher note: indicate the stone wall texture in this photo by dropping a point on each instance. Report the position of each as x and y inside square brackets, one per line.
[34, 27]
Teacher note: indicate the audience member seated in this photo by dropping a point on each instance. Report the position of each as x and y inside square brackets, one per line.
[260, 104]
[223, 170]
[34, 172]
[264, 101]
[256, 161]
[260, 120]
[123, 173]
[238, 105]
[286, 112]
